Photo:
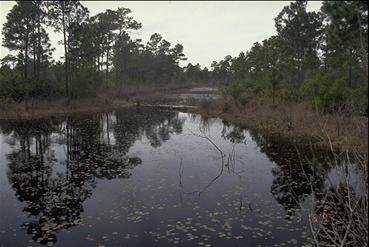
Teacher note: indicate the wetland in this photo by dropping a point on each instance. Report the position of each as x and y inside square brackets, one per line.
[144, 177]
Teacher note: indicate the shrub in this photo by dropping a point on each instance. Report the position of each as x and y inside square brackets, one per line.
[238, 88]
[244, 99]
[325, 93]
[359, 96]
[86, 82]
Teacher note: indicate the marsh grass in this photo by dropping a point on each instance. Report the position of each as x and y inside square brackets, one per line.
[42, 108]
[339, 214]
[296, 122]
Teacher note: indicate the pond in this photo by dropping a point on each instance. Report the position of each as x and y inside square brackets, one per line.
[156, 178]
[191, 96]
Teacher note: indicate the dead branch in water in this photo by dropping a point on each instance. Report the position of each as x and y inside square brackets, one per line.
[339, 216]
[231, 161]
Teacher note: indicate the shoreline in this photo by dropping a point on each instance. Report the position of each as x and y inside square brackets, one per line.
[305, 127]
[301, 126]
[59, 108]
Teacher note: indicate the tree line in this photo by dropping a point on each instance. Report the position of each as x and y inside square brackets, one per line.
[99, 52]
[321, 57]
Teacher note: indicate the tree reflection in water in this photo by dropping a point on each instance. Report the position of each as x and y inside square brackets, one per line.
[232, 133]
[292, 173]
[55, 165]
[296, 176]
[92, 147]
[339, 211]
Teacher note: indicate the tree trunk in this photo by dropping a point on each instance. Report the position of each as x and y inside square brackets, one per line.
[34, 62]
[350, 70]
[325, 60]
[107, 129]
[107, 67]
[38, 43]
[116, 74]
[26, 66]
[101, 62]
[98, 64]
[26, 55]
[69, 58]
[300, 66]
[34, 53]
[70, 69]
[65, 54]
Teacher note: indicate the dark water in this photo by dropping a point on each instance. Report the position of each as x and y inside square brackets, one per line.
[155, 179]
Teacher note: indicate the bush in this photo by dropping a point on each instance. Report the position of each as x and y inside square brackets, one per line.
[241, 88]
[359, 96]
[325, 93]
[86, 82]
[289, 94]
[244, 99]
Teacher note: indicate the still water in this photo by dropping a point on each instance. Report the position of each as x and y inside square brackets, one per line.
[150, 178]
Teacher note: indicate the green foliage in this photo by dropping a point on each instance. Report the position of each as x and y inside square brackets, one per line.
[7, 76]
[299, 31]
[346, 38]
[195, 74]
[287, 66]
[274, 78]
[85, 83]
[326, 93]
[100, 55]
[242, 91]
[289, 94]
[359, 95]
[16, 88]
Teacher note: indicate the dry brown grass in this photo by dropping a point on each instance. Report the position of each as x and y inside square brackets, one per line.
[51, 107]
[298, 123]
[59, 107]
[293, 122]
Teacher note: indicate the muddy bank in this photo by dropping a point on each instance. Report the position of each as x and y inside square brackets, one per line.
[181, 98]
[60, 107]
[296, 123]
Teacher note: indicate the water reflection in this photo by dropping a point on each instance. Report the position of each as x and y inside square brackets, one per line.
[234, 134]
[335, 187]
[54, 164]
[343, 217]
[296, 174]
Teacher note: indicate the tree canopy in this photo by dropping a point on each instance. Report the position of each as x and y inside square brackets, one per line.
[101, 55]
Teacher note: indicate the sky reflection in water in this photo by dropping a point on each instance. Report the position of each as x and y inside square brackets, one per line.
[149, 178]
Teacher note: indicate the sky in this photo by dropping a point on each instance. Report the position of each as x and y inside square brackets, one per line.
[208, 30]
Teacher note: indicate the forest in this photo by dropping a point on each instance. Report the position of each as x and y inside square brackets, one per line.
[320, 58]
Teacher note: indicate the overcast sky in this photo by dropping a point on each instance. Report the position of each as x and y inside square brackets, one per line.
[208, 30]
